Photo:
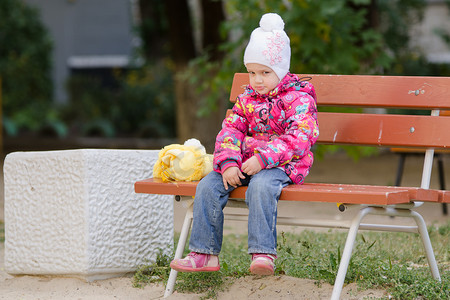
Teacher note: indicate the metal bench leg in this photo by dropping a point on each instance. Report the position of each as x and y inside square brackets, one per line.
[180, 248]
[347, 253]
[401, 166]
[422, 227]
[353, 230]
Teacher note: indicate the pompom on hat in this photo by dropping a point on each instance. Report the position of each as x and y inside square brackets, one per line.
[269, 45]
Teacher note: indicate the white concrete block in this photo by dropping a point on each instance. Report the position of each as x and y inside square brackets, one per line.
[75, 213]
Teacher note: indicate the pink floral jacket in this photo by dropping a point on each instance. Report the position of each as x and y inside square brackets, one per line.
[279, 128]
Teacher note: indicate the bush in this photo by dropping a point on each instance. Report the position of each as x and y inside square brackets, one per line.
[25, 63]
[139, 103]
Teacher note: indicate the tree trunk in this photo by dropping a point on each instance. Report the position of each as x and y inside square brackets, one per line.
[182, 51]
[153, 29]
[213, 16]
[182, 45]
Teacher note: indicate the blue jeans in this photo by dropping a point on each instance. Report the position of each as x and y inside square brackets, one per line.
[263, 192]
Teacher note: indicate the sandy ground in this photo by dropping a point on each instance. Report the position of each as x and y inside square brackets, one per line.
[337, 168]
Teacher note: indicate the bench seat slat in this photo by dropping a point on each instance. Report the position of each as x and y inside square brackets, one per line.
[415, 193]
[444, 196]
[384, 130]
[157, 186]
[351, 194]
[345, 195]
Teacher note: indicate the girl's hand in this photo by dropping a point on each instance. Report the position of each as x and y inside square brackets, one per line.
[251, 166]
[232, 176]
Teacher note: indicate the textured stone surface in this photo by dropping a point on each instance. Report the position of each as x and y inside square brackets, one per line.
[75, 213]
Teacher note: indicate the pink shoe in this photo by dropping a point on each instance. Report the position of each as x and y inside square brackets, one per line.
[196, 262]
[262, 264]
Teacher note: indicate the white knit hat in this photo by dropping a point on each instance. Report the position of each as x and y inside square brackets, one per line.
[269, 45]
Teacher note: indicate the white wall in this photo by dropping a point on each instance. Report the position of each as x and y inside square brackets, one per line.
[437, 15]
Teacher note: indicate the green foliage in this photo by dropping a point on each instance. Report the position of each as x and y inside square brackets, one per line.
[208, 283]
[394, 262]
[148, 104]
[354, 152]
[25, 63]
[2, 232]
[35, 116]
[141, 104]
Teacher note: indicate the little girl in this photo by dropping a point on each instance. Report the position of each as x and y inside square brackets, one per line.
[265, 143]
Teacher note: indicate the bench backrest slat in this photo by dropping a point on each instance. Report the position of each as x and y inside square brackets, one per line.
[378, 91]
[384, 130]
[372, 91]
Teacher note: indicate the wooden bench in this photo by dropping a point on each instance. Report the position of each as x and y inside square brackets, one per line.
[381, 130]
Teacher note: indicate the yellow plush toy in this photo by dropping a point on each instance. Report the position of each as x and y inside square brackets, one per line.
[187, 162]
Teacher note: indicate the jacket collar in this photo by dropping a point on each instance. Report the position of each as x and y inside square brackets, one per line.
[286, 84]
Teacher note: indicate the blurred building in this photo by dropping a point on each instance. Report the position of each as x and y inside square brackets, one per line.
[88, 36]
[425, 37]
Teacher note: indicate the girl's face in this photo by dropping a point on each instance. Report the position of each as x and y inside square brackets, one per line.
[263, 79]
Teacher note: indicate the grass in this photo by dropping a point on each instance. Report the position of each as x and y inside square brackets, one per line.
[394, 262]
